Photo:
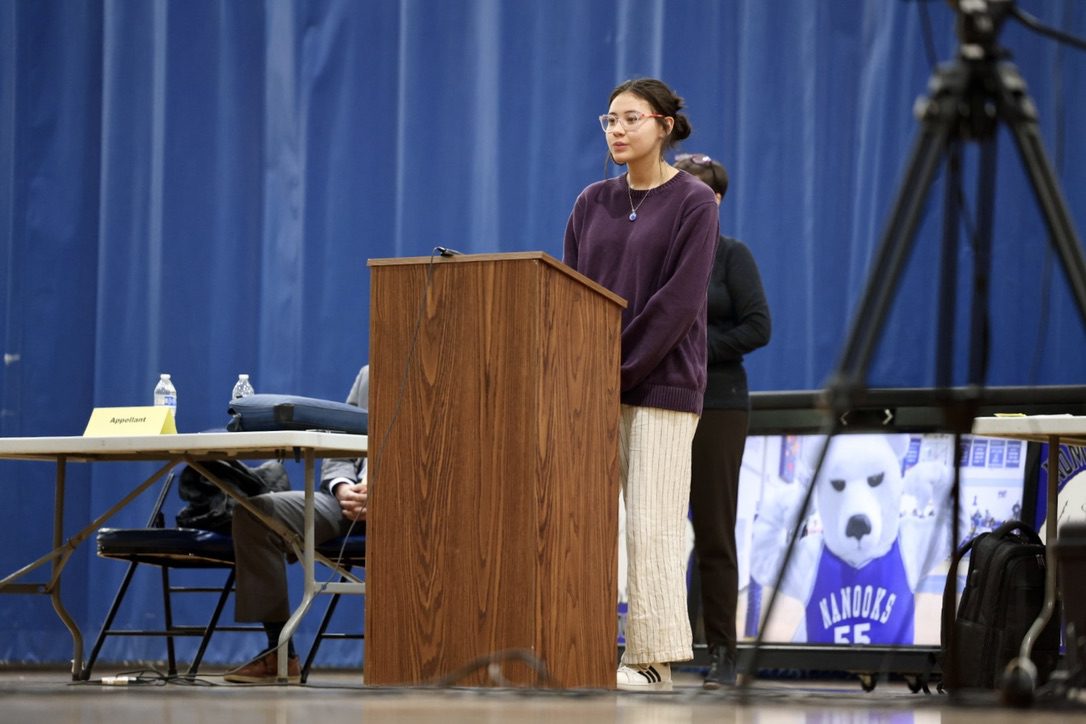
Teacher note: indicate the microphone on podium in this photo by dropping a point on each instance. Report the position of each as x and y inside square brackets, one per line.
[446, 251]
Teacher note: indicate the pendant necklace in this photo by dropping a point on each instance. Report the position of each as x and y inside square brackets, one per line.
[629, 195]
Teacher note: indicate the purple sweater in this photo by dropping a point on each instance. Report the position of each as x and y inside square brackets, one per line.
[660, 265]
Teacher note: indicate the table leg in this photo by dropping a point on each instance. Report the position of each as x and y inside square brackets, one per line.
[1021, 673]
[309, 585]
[62, 551]
[58, 566]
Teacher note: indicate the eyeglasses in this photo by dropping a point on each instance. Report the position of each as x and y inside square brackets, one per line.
[630, 121]
[699, 158]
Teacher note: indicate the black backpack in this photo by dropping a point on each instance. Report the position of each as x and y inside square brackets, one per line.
[1003, 594]
[210, 508]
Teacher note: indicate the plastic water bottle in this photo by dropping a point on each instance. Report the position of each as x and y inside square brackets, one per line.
[165, 393]
[242, 388]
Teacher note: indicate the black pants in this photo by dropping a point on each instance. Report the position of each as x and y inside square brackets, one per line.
[714, 491]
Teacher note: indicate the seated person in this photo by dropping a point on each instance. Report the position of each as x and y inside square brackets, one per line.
[340, 507]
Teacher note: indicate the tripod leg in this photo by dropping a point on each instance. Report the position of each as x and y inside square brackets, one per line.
[892, 253]
[1020, 115]
[1018, 111]
[948, 269]
[982, 265]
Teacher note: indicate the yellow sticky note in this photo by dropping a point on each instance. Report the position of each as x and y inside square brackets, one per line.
[118, 421]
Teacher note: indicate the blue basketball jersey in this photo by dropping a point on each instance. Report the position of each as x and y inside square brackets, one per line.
[873, 604]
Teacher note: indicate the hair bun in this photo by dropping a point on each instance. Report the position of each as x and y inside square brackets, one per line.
[682, 127]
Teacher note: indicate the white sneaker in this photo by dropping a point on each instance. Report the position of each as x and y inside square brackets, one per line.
[644, 677]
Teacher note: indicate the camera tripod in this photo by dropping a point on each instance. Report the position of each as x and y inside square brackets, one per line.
[969, 98]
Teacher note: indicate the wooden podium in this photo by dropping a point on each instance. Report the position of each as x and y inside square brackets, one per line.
[493, 513]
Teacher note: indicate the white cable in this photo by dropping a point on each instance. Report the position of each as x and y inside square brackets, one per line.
[116, 680]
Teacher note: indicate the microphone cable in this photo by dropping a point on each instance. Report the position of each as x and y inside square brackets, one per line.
[428, 284]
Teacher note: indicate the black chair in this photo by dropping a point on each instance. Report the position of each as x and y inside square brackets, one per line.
[350, 551]
[191, 548]
[167, 549]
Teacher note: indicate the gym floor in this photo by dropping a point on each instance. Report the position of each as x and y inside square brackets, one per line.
[335, 697]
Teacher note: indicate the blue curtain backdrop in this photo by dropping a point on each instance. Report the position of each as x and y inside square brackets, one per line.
[195, 187]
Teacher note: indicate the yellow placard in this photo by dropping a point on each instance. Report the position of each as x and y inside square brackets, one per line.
[116, 421]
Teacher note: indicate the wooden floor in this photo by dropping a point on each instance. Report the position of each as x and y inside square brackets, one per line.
[335, 697]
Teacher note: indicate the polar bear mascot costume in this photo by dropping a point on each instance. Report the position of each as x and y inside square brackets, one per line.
[854, 574]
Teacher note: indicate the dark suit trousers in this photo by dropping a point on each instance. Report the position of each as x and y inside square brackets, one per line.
[261, 555]
[714, 491]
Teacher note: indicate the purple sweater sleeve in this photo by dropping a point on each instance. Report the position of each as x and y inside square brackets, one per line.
[569, 246]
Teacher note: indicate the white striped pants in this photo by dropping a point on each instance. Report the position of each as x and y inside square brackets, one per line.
[654, 470]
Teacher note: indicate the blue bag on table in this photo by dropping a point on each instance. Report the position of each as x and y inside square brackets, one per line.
[293, 412]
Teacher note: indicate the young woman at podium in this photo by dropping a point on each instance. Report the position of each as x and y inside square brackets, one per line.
[650, 236]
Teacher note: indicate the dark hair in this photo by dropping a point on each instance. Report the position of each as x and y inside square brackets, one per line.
[711, 172]
[663, 101]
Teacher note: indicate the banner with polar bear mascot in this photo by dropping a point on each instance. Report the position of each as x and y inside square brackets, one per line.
[873, 548]
[873, 551]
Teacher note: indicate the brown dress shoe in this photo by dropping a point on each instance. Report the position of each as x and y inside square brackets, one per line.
[263, 669]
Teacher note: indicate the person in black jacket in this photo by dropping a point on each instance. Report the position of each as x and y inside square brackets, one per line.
[738, 323]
